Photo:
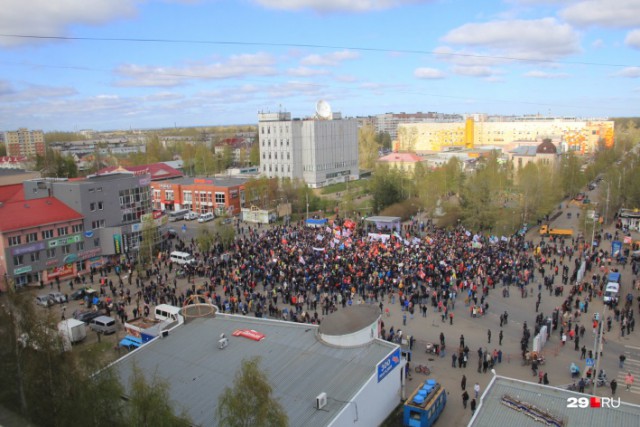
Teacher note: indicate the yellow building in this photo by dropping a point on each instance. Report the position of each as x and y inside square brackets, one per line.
[575, 135]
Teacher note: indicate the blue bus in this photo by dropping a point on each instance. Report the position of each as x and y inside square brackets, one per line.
[425, 405]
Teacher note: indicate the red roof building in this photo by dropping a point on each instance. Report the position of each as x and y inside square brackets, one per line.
[159, 171]
[39, 239]
[11, 193]
[24, 214]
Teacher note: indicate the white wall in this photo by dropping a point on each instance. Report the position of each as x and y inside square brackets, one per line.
[375, 401]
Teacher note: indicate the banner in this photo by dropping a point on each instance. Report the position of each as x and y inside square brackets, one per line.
[117, 243]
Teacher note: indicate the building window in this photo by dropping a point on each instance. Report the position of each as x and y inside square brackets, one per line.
[14, 240]
[66, 249]
[99, 189]
[92, 206]
[100, 205]
[91, 190]
[35, 256]
[51, 253]
[220, 199]
[32, 237]
[47, 234]
[18, 260]
[96, 241]
[62, 231]
[80, 246]
[77, 228]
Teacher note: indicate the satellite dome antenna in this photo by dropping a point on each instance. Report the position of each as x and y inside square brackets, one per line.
[323, 110]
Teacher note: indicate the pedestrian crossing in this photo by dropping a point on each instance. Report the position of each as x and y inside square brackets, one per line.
[631, 364]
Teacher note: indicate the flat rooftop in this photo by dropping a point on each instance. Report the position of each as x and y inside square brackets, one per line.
[299, 366]
[551, 401]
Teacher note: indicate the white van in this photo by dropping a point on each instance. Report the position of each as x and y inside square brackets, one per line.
[181, 258]
[205, 217]
[103, 324]
[611, 292]
[167, 312]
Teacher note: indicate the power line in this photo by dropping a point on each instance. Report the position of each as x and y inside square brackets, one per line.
[312, 46]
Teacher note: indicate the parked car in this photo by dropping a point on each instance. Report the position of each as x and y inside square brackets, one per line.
[87, 316]
[81, 293]
[44, 300]
[191, 216]
[171, 233]
[635, 254]
[58, 297]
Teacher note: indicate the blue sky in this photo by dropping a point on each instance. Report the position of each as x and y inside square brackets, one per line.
[222, 61]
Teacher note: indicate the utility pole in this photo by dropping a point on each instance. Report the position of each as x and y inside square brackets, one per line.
[598, 349]
[606, 209]
[307, 194]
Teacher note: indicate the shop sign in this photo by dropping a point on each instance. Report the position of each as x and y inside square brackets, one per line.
[28, 249]
[88, 234]
[388, 364]
[136, 227]
[65, 241]
[22, 270]
[89, 253]
[64, 270]
[202, 181]
[144, 181]
[51, 262]
[70, 258]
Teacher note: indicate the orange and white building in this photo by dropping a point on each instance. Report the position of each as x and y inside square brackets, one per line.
[201, 195]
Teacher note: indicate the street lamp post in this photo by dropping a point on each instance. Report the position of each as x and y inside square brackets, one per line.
[598, 349]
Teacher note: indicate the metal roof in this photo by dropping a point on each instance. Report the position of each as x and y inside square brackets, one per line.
[551, 400]
[298, 365]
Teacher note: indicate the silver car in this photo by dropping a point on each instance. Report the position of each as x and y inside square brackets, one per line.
[44, 300]
[57, 297]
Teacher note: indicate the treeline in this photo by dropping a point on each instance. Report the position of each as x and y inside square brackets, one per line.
[50, 387]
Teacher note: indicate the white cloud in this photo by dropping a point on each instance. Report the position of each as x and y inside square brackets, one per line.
[54, 17]
[305, 72]
[603, 13]
[30, 93]
[475, 71]
[598, 44]
[346, 78]
[428, 73]
[259, 64]
[537, 74]
[633, 39]
[632, 72]
[337, 5]
[537, 39]
[466, 57]
[329, 59]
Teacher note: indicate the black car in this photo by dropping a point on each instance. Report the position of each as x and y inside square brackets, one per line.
[87, 316]
[81, 293]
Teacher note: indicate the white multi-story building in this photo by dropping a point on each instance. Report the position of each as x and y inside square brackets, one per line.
[319, 151]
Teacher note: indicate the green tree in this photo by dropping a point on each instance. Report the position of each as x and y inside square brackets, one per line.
[251, 389]
[3, 150]
[226, 233]
[254, 155]
[384, 140]
[204, 239]
[227, 157]
[149, 239]
[149, 403]
[367, 147]
[386, 187]
[407, 138]
[484, 199]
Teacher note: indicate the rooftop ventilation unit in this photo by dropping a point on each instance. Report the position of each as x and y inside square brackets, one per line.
[321, 400]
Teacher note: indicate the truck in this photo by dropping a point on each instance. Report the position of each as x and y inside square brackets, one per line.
[545, 230]
[166, 318]
[72, 330]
